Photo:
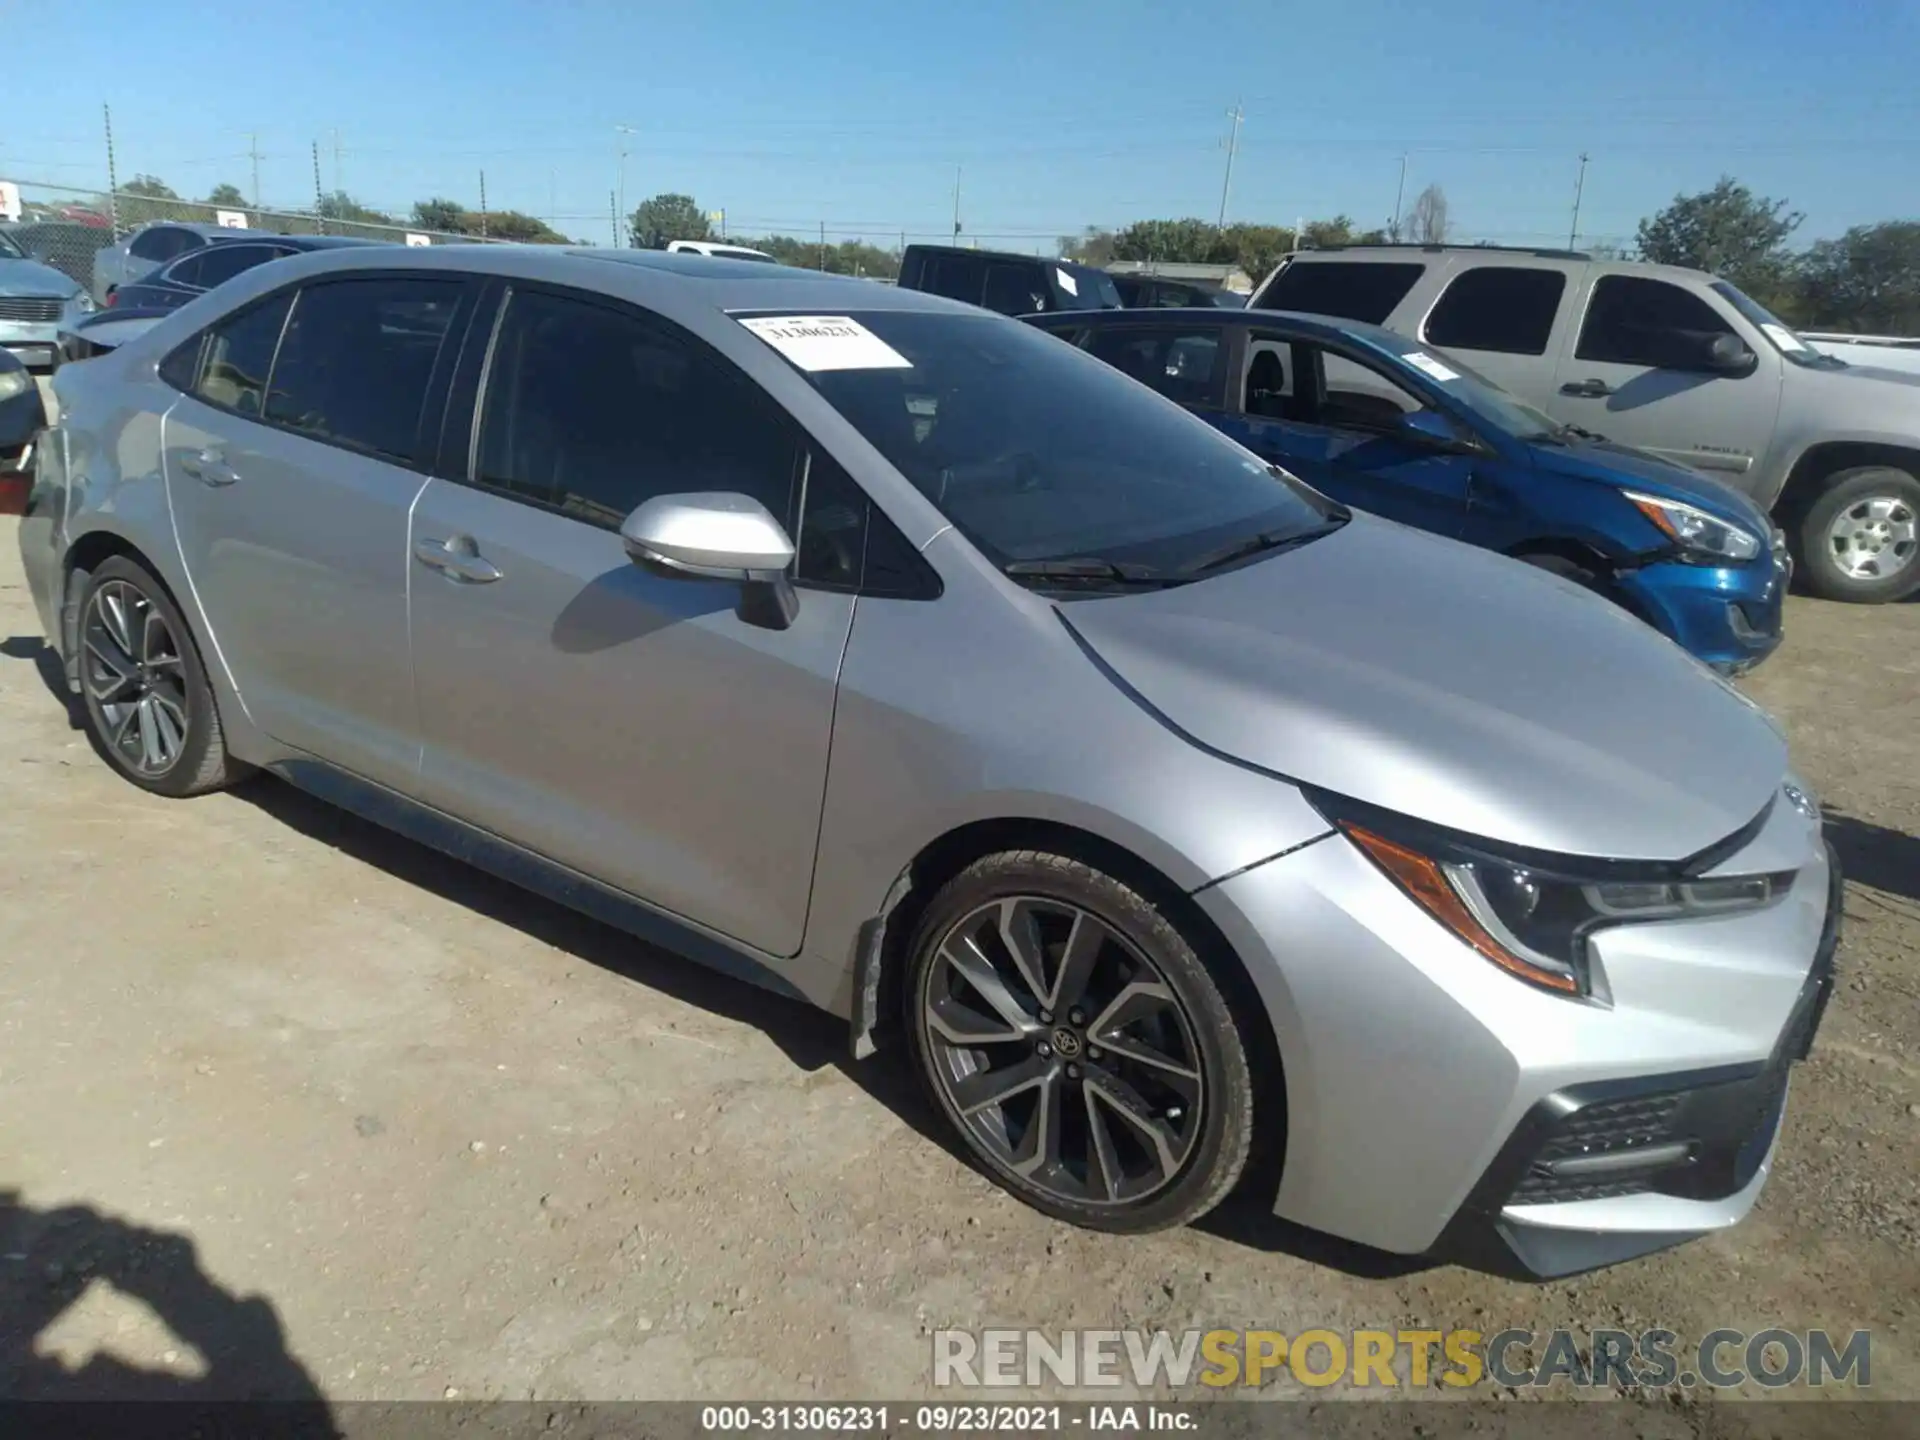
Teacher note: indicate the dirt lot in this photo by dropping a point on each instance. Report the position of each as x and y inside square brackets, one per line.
[335, 1107]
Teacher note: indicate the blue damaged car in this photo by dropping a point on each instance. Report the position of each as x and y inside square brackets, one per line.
[1389, 425]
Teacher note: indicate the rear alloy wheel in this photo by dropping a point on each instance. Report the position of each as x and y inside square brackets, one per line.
[1078, 1045]
[148, 709]
[1860, 541]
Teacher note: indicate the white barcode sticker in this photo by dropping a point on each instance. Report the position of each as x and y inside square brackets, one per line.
[1426, 364]
[827, 342]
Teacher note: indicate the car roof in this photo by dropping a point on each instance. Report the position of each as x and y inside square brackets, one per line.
[645, 276]
[298, 242]
[1322, 327]
[1492, 255]
[1008, 255]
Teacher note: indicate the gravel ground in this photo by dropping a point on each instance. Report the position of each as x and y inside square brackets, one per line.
[285, 1100]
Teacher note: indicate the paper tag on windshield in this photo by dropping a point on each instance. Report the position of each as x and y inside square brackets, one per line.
[1067, 282]
[827, 342]
[1784, 338]
[1427, 365]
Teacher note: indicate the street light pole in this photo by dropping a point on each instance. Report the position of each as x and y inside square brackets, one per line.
[620, 193]
[1236, 114]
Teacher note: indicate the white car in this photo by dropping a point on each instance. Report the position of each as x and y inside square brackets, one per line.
[719, 250]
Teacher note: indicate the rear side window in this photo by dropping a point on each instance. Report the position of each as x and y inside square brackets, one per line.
[239, 355]
[162, 243]
[1347, 289]
[1014, 289]
[221, 262]
[357, 358]
[956, 276]
[1183, 365]
[1636, 321]
[1504, 308]
[591, 410]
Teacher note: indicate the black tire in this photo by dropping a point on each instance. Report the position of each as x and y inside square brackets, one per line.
[172, 681]
[1852, 494]
[1206, 1033]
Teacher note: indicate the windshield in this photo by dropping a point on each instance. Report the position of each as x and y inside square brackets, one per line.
[1038, 452]
[1079, 287]
[10, 250]
[1493, 407]
[1775, 329]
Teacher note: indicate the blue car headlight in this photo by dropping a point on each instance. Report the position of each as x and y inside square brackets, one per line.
[1698, 535]
[14, 382]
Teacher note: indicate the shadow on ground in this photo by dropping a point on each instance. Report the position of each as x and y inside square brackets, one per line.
[1874, 855]
[48, 1261]
[46, 662]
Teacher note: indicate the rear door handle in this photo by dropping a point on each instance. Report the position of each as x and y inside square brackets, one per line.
[209, 469]
[1587, 389]
[458, 558]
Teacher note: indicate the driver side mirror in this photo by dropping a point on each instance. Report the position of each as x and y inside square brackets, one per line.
[1727, 355]
[1431, 428]
[718, 535]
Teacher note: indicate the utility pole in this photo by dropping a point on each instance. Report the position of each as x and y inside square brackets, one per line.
[1236, 114]
[956, 202]
[620, 133]
[319, 199]
[337, 186]
[1399, 195]
[113, 184]
[823, 244]
[253, 154]
[483, 204]
[1579, 185]
[613, 218]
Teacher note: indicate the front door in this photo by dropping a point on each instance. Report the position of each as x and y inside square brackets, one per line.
[1636, 377]
[628, 724]
[291, 507]
[1330, 419]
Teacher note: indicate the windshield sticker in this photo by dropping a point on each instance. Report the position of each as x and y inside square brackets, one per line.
[827, 342]
[1067, 282]
[1784, 338]
[1427, 365]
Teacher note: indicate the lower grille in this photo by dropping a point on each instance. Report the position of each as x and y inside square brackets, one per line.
[33, 308]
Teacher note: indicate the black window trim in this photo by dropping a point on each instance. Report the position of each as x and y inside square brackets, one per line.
[1568, 282]
[432, 402]
[465, 471]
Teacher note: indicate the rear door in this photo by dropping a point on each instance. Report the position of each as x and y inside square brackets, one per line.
[627, 724]
[292, 464]
[1330, 417]
[1636, 375]
[1503, 320]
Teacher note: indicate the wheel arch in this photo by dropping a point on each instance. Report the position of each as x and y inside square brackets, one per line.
[1589, 557]
[881, 963]
[86, 554]
[1807, 480]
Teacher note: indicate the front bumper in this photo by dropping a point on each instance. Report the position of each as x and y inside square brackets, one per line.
[1729, 616]
[1425, 1087]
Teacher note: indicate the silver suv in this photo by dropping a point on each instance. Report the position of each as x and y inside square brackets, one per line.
[913, 663]
[1668, 360]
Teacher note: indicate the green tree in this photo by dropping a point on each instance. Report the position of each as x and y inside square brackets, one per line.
[342, 206]
[147, 198]
[150, 187]
[667, 217]
[442, 214]
[512, 225]
[848, 257]
[1092, 246]
[1867, 281]
[1180, 242]
[1729, 231]
[227, 197]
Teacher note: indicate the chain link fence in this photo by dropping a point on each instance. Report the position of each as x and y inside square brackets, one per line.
[65, 227]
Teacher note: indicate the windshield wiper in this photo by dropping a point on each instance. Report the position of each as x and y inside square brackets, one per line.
[1581, 434]
[1265, 541]
[1088, 568]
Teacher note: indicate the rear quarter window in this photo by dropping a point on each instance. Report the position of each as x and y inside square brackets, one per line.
[1346, 289]
[1501, 308]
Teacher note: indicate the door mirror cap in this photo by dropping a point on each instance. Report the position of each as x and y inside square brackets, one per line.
[1432, 428]
[718, 535]
[1728, 355]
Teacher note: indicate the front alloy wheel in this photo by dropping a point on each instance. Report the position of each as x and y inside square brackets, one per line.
[1079, 1046]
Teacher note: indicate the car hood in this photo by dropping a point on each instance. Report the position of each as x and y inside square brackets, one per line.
[1451, 684]
[1606, 463]
[31, 278]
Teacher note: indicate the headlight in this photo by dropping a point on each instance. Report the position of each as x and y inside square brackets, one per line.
[1699, 535]
[14, 382]
[1532, 919]
[80, 302]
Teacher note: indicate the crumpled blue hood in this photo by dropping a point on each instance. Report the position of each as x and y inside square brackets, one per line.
[1623, 467]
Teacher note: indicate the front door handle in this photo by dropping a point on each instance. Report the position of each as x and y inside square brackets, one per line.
[458, 558]
[1587, 389]
[209, 469]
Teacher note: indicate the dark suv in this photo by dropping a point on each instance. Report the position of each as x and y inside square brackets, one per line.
[1012, 284]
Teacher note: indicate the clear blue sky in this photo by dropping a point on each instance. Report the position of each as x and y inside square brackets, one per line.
[1061, 115]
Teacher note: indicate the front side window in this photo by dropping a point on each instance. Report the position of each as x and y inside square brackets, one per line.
[239, 356]
[1183, 365]
[357, 357]
[1039, 452]
[1504, 308]
[1633, 320]
[1361, 397]
[591, 410]
[1346, 289]
[162, 243]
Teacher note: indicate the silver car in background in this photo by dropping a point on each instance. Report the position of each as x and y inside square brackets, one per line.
[145, 250]
[35, 300]
[1189, 830]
